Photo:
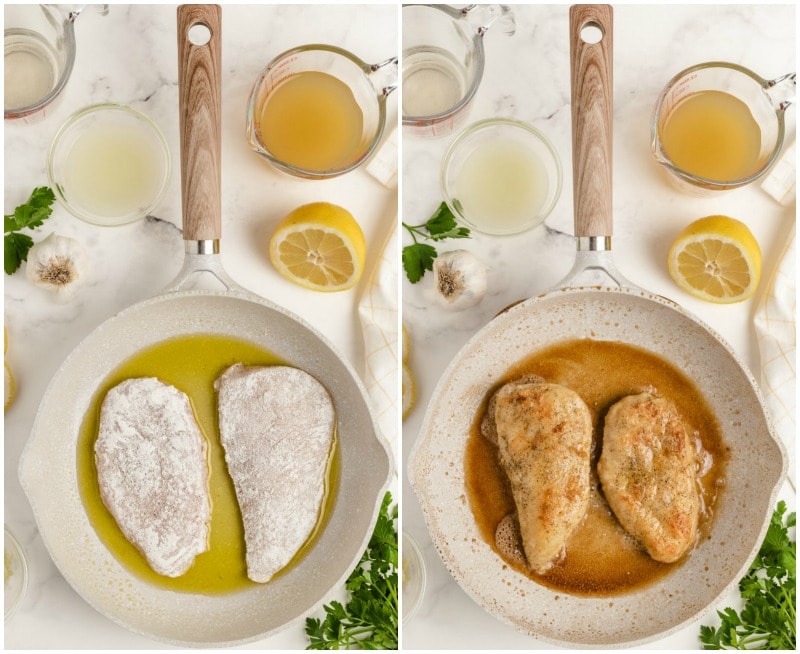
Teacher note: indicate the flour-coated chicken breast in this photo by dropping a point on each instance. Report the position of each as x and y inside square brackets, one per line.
[648, 474]
[277, 426]
[152, 471]
[544, 437]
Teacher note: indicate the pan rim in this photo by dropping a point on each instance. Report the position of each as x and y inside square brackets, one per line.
[133, 313]
[423, 449]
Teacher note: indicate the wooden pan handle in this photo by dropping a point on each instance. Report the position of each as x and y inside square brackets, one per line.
[592, 110]
[199, 84]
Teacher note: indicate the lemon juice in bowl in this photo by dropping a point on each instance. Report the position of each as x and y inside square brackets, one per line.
[501, 185]
[109, 165]
[110, 171]
[501, 177]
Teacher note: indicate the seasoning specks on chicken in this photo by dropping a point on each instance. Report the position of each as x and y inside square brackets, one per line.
[544, 436]
[648, 474]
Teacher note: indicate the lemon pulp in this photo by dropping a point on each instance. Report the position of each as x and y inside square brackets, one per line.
[717, 259]
[319, 246]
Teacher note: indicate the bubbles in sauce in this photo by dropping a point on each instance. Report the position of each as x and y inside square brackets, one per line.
[601, 558]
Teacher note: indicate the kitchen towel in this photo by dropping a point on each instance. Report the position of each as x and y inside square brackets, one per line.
[378, 312]
[775, 326]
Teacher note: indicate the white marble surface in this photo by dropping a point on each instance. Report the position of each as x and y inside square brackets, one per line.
[527, 77]
[130, 57]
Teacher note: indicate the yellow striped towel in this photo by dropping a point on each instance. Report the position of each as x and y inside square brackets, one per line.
[378, 312]
[775, 327]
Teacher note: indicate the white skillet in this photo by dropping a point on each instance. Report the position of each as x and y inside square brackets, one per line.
[48, 467]
[618, 312]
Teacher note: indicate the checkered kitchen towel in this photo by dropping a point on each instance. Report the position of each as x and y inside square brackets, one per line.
[775, 325]
[378, 312]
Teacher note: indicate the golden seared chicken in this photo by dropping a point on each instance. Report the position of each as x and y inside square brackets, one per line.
[648, 474]
[544, 435]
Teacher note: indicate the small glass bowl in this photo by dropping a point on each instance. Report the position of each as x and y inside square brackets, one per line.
[109, 165]
[501, 177]
[15, 573]
[414, 577]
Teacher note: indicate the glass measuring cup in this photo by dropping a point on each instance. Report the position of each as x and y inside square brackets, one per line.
[369, 84]
[765, 100]
[39, 44]
[443, 60]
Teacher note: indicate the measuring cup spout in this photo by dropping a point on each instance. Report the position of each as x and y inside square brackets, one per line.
[482, 17]
[383, 76]
[781, 91]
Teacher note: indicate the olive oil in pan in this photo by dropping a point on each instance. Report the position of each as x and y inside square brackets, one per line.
[601, 558]
[192, 364]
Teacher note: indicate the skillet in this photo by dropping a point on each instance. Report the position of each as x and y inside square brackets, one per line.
[48, 466]
[621, 312]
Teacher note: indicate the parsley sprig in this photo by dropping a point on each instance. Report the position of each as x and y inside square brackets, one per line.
[369, 619]
[769, 589]
[26, 216]
[418, 257]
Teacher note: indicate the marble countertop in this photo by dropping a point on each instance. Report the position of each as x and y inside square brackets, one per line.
[129, 56]
[527, 78]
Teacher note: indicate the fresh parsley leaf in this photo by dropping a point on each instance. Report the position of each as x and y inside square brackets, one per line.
[15, 251]
[29, 215]
[419, 257]
[369, 619]
[441, 221]
[768, 619]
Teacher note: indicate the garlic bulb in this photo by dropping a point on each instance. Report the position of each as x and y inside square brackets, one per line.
[57, 263]
[459, 279]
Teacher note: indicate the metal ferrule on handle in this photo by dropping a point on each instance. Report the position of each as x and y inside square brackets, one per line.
[592, 115]
[201, 247]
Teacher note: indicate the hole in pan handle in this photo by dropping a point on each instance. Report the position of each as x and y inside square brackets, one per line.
[592, 101]
[200, 111]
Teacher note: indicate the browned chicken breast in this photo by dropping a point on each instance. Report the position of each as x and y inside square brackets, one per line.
[648, 474]
[544, 436]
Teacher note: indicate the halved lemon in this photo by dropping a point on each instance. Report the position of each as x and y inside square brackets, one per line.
[319, 246]
[409, 391]
[8, 386]
[406, 345]
[716, 259]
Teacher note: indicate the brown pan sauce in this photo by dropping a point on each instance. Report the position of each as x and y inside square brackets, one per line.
[601, 558]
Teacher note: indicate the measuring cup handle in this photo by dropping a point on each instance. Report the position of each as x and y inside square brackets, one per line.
[592, 93]
[482, 17]
[781, 91]
[73, 11]
[200, 112]
[383, 75]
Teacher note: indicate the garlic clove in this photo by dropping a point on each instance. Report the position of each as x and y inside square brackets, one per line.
[459, 279]
[57, 263]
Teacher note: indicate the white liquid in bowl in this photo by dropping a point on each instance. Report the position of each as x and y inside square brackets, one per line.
[113, 169]
[501, 186]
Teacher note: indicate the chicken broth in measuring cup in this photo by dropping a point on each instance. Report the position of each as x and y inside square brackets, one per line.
[601, 558]
[312, 121]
